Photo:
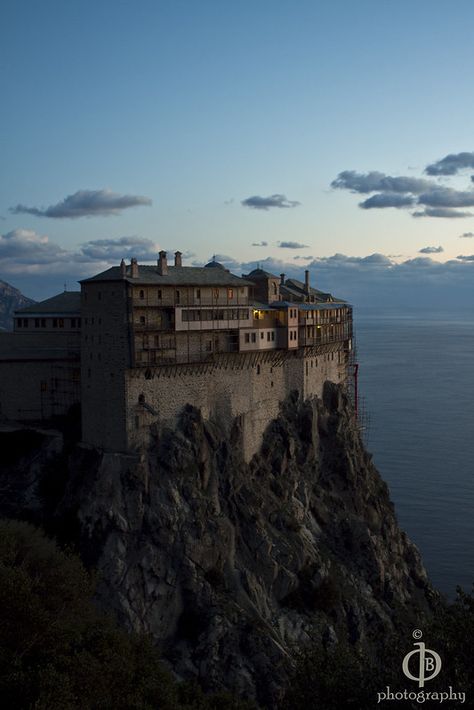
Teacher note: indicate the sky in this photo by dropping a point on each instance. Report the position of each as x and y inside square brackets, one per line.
[325, 135]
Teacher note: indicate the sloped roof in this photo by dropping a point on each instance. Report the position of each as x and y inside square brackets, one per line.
[297, 288]
[176, 276]
[261, 273]
[66, 302]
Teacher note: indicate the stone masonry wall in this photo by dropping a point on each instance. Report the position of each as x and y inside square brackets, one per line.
[254, 393]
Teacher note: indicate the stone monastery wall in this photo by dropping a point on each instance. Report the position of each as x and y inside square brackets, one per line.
[253, 393]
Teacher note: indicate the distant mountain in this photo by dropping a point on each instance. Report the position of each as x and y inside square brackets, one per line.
[10, 299]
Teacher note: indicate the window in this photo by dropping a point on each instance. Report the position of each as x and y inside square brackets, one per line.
[216, 292]
[274, 288]
[37, 322]
[273, 336]
[258, 369]
[262, 335]
[142, 320]
[142, 294]
[159, 294]
[141, 399]
[43, 322]
[78, 322]
[209, 345]
[268, 335]
[254, 338]
[198, 293]
[247, 337]
[178, 296]
[55, 322]
[230, 293]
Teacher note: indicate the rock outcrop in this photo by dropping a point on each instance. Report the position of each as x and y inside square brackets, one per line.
[230, 566]
[10, 300]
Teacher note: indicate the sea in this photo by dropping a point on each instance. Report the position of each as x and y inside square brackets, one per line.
[416, 384]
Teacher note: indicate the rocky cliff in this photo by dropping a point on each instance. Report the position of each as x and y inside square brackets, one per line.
[231, 566]
[10, 300]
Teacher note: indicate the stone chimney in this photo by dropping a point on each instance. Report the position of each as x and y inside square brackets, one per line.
[177, 258]
[123, 268]
[134, 268]
[163, 264]
[306, 282]
[282, 279]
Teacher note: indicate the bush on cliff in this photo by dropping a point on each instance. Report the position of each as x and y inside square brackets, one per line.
[57, 652]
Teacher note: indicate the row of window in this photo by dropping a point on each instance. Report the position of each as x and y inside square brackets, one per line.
[216, 293]
[221, 314]
[42, 322]
[252, 337]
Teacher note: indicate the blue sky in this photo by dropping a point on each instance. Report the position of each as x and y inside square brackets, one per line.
[130, 127]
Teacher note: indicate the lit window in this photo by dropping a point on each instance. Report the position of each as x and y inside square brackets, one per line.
[230, 293]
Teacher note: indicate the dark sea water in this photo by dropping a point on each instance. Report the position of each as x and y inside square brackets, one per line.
[417, 380]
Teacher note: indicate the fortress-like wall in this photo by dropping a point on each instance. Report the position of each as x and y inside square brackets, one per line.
[250, 389]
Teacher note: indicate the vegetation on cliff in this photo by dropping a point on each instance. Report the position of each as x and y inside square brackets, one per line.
[58, 652]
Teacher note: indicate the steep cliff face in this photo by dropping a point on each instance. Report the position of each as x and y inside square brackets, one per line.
[231, 565]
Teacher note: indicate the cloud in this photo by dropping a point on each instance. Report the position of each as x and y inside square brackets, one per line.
[264, 203]
[259, 244]
[447, 197]
[86, 203]
[292, 245]
[466, 235]
[25, 246]
[121, 248]
[387, 199]
[431, 250]
[465, 258]
[451, 164]
[403, 192]
[378, 182]
[445, 212]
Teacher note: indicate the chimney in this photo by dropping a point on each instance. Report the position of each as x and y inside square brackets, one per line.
[282, 279]
[177, 258]
[123, 268]
[134, 268]
[162, 264]
[306, 282]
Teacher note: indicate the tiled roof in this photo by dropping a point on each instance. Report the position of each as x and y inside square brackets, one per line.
[176, 276]
[66, 302]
